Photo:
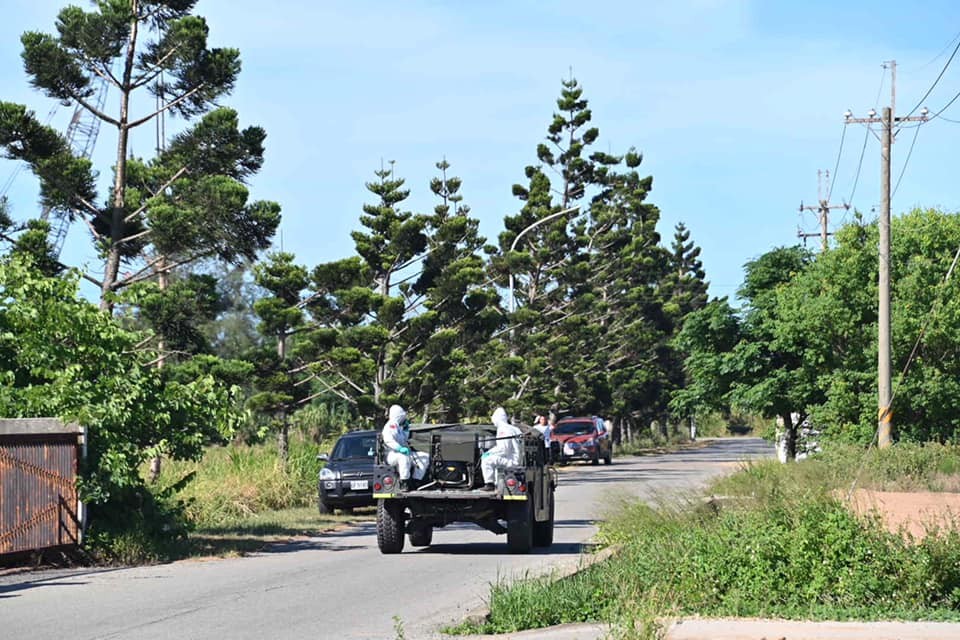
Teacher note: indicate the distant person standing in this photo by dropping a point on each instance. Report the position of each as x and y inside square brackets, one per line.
[540, 424]
[548, 436]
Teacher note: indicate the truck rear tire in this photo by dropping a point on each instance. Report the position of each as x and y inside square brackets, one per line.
[390, 526]
[421, 535]
[520, 527]
[543, 531]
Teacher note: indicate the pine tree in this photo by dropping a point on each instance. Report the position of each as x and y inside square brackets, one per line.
[186, 204]
[627, 265]
[685, 285]
[454, 311]
[233, 333]
[545, 258]
[361, 304]
[281, 316]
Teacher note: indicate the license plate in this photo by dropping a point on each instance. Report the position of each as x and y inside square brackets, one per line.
[358, 485]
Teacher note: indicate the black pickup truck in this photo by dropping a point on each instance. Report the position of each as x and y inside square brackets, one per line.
[521, 506]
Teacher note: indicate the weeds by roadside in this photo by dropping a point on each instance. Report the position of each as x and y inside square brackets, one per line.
[235, 500]
[240, 481]
[776, 542]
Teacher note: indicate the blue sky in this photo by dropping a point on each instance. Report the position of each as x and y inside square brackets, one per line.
[735, 105]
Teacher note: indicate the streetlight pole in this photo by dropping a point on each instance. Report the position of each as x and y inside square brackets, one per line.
[513, 300]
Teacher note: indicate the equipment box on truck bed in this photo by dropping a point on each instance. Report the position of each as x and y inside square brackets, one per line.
[521, 506]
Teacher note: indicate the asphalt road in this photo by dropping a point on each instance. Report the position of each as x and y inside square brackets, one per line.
[338, 585]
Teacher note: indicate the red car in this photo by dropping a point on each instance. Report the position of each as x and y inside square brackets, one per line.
[583, 439]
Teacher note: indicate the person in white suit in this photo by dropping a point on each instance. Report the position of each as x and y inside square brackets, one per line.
[396, 438]
[505, 453]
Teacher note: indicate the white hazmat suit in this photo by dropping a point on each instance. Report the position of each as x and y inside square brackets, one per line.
[505, 453]
[396, 439]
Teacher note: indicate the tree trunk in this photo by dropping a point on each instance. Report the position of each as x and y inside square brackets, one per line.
[790, 436]
[283, 440]
[381, 373]
[118, 210]
[162, 282]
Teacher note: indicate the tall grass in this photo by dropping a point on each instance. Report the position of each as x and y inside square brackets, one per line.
[236, 481]
[775, 541]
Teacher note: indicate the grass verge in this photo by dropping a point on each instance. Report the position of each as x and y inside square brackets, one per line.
[239, 481]
[240, 498]
[253, 533]
[779, 544]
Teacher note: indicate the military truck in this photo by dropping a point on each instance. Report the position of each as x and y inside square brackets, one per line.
[521, 506]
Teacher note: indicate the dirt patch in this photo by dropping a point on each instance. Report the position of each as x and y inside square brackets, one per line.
[915, 512]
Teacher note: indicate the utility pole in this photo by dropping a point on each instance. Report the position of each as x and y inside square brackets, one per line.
[887, 137]
[823, 210]
[884, 381]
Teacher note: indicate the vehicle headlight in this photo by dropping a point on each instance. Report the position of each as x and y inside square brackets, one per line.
[327, 474]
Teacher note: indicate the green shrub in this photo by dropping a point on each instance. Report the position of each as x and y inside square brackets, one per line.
[806, 557]
[776, 540]
[712, 425]
[543, 602]
[913, 466]
[138, 527]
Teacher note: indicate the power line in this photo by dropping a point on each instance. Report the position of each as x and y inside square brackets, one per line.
[935, 82]
[883, 75]
[939, 55]
[945, 107]
[936, 114]
[906, 161]
[866, 137]
[934, 309]
[836, 166]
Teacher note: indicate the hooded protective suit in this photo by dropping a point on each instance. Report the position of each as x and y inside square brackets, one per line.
[396, 439]
[505, 453]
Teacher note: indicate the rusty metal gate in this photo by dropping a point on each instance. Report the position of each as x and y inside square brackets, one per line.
[38, 498]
